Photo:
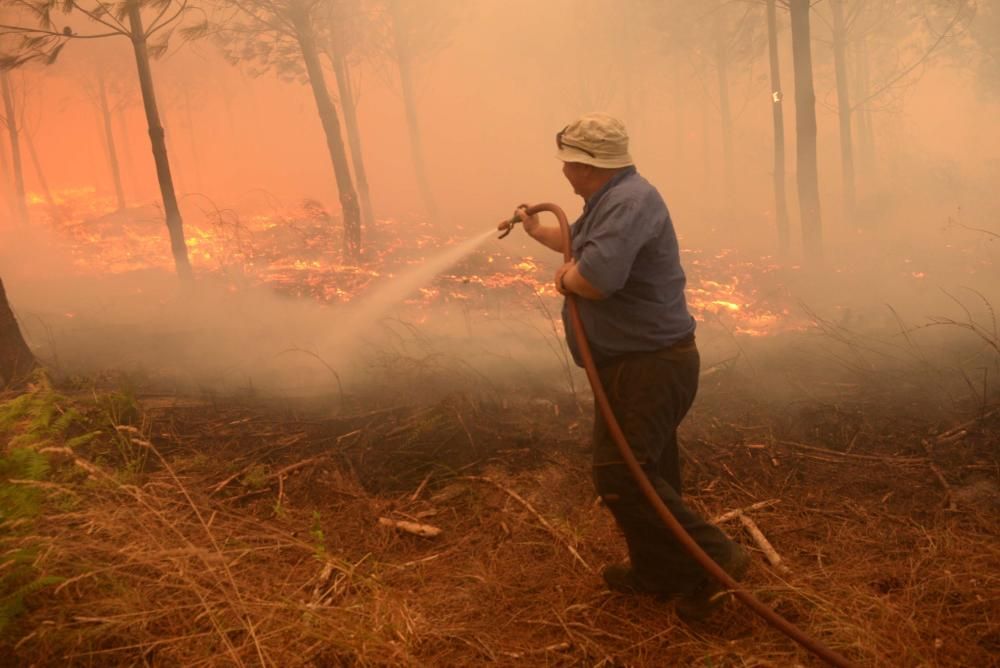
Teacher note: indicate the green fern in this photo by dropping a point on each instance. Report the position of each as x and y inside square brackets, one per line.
[12, 604]
[27, 423]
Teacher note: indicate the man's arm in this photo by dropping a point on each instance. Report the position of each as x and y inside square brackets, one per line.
[569, 280]
[547, 235]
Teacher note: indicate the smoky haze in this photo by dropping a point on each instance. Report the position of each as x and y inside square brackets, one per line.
[493, 83]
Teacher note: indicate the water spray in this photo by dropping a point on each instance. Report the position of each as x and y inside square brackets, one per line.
[682, 536]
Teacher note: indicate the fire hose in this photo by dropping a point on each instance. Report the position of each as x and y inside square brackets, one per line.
[682, 536]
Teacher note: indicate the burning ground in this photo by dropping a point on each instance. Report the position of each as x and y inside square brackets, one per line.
[167, 518]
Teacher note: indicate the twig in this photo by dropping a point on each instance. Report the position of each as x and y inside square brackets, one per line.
[850, 455]
[762, 542]
[551, 529]
[949, 497]
[423, 484]
[296, 466]
[952, 434]
[557, 647]
[733, 514]
[425, 530]
[222, 485]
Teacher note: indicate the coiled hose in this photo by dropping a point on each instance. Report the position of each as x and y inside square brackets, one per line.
[690, 546]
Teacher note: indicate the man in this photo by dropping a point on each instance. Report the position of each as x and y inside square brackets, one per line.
[629, 284]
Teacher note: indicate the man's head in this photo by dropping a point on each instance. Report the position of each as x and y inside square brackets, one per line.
[593, 148]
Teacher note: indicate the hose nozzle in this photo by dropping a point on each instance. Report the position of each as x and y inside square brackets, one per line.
[508, 225]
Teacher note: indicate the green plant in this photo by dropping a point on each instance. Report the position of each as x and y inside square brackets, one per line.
[319, 538]
[19, 580]
[256, 477]
[29, 422]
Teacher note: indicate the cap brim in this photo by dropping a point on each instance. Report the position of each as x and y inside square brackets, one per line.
[570, 154]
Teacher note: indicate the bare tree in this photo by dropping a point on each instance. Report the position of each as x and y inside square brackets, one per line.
[39, 37]
[416, 31]
[11, 120]
[807, 173]
[404, 61]
[109, 138]
[735, 41]
[778, 119]
[347, 30]
[840, 31]
[916, 30]
[285, 36]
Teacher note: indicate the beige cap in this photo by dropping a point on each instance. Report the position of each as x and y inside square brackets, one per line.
[595, 139]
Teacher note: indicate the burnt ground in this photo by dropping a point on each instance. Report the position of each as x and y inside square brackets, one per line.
[211, 532]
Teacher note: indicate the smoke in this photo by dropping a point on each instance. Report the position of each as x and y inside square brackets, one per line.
[491, 96]
[149, 330]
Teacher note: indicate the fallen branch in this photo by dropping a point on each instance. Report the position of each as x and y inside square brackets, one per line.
[423, 483]
[222, 485]
[949, 497]
[763, 543]
[425, 530]
[733, 514]
[953, 433]
[296, 466]
[551, 529]
[892, 459]
[277, 475]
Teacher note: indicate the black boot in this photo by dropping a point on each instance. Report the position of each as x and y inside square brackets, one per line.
[710, 594]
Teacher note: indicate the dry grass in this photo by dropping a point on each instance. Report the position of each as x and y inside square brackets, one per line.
[253, 540]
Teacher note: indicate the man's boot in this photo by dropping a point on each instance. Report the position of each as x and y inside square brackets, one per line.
[711, 595]
[623, 579]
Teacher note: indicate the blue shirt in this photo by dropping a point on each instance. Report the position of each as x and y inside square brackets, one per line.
[626, 247]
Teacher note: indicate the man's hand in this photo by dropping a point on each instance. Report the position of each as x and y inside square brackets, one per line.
[569, 281]
[561, 277]
[547, 235]
[520, 216]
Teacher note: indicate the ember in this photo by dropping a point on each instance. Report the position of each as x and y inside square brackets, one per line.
[298, 253]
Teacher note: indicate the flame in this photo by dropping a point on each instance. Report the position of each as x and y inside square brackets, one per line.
[297, 251]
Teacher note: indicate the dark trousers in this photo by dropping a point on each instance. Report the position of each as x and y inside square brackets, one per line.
[650, 393]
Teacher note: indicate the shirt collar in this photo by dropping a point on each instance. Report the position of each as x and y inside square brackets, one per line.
[612, 182]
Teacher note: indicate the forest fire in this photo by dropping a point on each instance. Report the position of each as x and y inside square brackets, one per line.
[277, 389]
[297, 252]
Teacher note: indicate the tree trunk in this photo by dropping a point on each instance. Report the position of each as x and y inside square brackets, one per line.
[109, 140]
[778, 116]
[157, 138]
[193, 138]
[708, 183]
[331, 127]
[42, 181]
[129, 175]
[342, 73]
[5, 183]
[16, 360]
[725, 111]
[866, 134]
[403, 60]
[844, 110]
[807, 174]
[679, 126]
[20, 196]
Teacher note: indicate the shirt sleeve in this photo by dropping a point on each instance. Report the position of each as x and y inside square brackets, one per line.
[606, 256]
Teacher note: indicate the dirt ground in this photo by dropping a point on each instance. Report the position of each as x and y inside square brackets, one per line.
[251, 532]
